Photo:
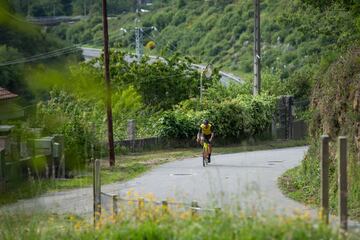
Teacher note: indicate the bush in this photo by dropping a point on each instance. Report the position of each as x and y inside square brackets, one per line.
[239, 118]
[179, 124]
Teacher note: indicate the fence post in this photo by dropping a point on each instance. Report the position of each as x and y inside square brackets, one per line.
[343, 182]
[2, 170]
[194, 206]
[97, 191]
[141, 203]
[115, 205]
[55, 158]
[164, 205]
[61, 158]
[131, 130]
[217, 211]
[324, 155]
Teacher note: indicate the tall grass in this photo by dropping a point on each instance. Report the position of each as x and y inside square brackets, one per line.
[302, 183]
[157, 222]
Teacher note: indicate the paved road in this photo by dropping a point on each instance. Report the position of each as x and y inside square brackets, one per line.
[247, 179]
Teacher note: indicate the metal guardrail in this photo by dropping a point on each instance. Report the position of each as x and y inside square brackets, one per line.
[54, 20]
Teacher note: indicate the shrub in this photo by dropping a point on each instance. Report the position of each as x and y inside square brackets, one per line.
[239, 118]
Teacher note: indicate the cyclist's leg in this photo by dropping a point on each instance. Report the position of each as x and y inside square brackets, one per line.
[202, 141]
[206, 149]
[207, 138]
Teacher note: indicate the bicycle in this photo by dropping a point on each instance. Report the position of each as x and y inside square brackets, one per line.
[205, 153]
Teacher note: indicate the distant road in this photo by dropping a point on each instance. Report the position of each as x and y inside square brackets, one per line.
[226, 78]
[51, 21]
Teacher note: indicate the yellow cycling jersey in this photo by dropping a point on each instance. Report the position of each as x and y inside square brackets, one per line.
[206, 130]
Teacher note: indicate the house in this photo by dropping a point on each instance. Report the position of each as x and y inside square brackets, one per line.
[9, 108]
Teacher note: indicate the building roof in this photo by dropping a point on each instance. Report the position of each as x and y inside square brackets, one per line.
[5, 94]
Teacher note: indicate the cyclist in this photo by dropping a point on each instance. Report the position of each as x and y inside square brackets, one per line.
[206, 133]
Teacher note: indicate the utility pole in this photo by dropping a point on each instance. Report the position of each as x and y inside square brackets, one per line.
[108, 86]
[138, 33]
[28, 8]
[257, 49]
[84, 7]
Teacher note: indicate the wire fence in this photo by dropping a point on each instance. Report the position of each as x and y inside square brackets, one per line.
[112, 203]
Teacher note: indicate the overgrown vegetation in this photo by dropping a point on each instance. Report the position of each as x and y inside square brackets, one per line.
[336, 112]
[159, 223]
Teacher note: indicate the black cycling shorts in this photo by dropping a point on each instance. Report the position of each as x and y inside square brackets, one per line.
[207, 138]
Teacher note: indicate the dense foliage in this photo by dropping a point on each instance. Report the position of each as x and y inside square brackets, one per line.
[42, 8]
[336, 112]
[162, 83]
[234, 118]
[353, 5]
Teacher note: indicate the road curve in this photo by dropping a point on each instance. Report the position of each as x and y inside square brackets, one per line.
[247, 179]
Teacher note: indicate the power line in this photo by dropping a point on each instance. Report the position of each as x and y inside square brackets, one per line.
[36, 58]
[54, 53]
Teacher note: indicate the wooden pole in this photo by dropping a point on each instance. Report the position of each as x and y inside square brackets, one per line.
[194, 206]
[257, 49]
[343, 182]
[164, 205]
[115, 205]
[108, 85]
[324, 156]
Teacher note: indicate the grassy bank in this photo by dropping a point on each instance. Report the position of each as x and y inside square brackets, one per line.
[302, 183]
[127, 166]
[154, 223]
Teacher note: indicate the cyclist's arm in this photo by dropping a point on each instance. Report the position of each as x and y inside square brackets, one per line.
[199, 134]
[212, 133]
[212, 136]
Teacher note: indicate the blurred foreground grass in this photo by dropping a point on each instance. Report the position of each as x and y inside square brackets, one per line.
[127, 166]
[158, 223]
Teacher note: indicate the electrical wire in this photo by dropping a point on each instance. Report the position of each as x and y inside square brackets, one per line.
[54, 53]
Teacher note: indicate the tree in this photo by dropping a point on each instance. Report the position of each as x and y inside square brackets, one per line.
[347, 4]
[162, 83]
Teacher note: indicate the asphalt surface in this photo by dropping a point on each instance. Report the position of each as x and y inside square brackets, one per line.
[246, 180]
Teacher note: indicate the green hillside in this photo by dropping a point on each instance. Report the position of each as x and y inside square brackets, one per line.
[297, 39]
